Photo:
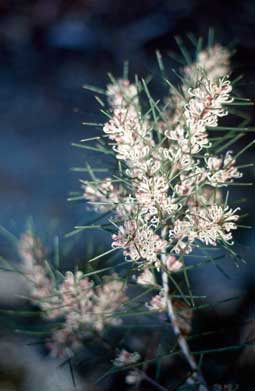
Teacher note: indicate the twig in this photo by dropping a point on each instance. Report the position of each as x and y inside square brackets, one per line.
[197, 376]
[153, 382]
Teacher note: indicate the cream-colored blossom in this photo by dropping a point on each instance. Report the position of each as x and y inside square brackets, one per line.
[182, 236]
[215, 61]
[126, 358]
[126, 127]
[158, 302]
[210, 225]
[105, 195]
[205, 106]
[221, 171]
[33, 266]
[146, 278]
[215, 223]
[173, 264]
[171, 177]
[134, 377]
[139, 242]
[122, 94]
[108, 298]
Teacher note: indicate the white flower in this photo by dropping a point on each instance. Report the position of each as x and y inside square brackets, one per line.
[169, 181]
[33, 266]
[214, 61]
[203, 109]
[122, 94]
[139, 242]
[158, 302]
[109, 297]
[152, 192]
[205, 102]
[173, 264]
[85, 309]
[148, 167]
[134, 377]
[146, 278]
[213, 223]
[190, 181]
[126, 358]
[105, 195]
[183, 235]
[222, 171]
[63, 342]
[125, 127]
[209, 224]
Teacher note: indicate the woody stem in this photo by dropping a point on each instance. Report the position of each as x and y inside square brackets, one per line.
[197, 376]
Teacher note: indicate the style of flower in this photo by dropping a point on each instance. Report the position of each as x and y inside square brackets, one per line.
[182, 236]
[212, 64]
[151, 192]
[126, 127]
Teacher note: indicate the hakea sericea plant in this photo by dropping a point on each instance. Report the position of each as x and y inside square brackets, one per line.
[165, 195]
[82, 309]
[172, 174]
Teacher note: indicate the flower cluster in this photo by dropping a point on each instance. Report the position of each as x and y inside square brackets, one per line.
[126, 358]
[103, 195]
[220, 171]
[211, 64]
[146, 278]
[84, 309]
[34, 268]
[170, 196]
[139, 242]
[215, 61]
[209, 225]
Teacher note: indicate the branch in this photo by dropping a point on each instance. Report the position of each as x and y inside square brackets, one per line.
[196, 377]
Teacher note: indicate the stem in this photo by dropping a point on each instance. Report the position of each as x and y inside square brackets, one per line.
[197, 376]
[153, 382]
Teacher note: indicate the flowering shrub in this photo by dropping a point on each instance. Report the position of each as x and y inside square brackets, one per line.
[166, 193]
[164, 198]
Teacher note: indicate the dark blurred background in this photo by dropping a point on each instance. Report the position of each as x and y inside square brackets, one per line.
[48, 50]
